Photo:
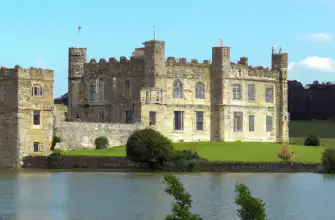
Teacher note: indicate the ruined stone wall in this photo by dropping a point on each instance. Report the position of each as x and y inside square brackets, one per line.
[28, 103]
[8, 118]
[81, 135]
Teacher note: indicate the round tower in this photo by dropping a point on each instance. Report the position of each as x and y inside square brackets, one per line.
[77, 59]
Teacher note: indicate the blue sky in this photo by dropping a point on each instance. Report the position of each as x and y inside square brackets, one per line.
[39, 32]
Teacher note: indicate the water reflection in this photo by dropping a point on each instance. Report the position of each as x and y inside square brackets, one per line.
[127, 196]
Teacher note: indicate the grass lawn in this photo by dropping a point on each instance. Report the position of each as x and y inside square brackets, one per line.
[226, 151]
[250, 152]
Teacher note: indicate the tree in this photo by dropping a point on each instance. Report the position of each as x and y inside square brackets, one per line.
[250, 208]
[181, 208]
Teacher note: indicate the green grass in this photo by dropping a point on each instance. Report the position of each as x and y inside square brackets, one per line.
[249, 152]
[225, 151]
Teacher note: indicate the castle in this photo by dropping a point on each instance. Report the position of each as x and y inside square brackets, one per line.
[186, 101]
[189, 101]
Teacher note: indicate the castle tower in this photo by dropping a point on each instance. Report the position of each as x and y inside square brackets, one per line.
[219, 71]
[154, 61]
[280, 63]
[77, 59]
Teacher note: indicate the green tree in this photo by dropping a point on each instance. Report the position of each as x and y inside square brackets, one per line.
[181, 208]
[250, 208]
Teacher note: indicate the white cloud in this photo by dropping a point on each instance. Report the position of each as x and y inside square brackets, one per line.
[319, 37]
[314, 63]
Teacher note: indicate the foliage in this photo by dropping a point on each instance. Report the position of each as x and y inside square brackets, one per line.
[181, 208]
[148, 145]
[101, 142]
[185, 160]
[284, 153]
[56, 153]
[312, 140]
[328, 160]
[55, 140]
[250, 208]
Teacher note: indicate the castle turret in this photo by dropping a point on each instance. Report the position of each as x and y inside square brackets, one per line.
[280, 63]
[154, 60]
[219, 71]
[77, 59]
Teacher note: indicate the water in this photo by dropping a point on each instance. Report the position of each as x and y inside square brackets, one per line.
[42, 195]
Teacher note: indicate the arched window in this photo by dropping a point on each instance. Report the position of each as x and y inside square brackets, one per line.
[102, 116]
[178, 90]
[199, 90]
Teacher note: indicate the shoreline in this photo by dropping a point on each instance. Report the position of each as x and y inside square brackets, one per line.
[122, 164]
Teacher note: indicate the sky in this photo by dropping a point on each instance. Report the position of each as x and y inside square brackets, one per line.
[38, 32]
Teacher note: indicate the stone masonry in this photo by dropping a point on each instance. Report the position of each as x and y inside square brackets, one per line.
[26, 111]
[186, 101]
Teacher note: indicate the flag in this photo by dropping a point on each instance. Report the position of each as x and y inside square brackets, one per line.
[79, 28]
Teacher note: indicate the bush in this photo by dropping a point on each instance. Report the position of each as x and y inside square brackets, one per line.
[148, 145]
[250, 208]
[312, 140]
[284, 153]
[184, 161]
[101, 142]
[55, 140]
[328, 160]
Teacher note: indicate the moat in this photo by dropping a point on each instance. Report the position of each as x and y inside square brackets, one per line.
[42, 195]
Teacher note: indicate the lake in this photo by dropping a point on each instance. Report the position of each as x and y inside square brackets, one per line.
[43, 195]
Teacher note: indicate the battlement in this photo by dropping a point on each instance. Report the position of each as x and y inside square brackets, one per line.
[172, 61]
[31, 72]
[77, 51]
[111, 61]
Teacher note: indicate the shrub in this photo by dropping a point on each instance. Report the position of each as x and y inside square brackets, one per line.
[284, 153]
[55, 140]
[148, 145]
[184, 161]
[250, 208]
[328, 160]
[312, 140]
[101, 142]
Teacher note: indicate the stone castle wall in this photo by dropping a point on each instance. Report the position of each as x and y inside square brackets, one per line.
[81, 135]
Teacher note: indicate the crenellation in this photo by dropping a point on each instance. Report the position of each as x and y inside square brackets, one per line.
[194, 61]
[182, 61]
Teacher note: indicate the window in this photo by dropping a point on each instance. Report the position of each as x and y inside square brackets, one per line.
[152, 118]
[178, 90]
[101, 89]
[36, 146]
[199, 121]
[127, 87]
[92, 90]
[37, 90]
[236, 91]
[37, 118]
[268, 123]
[269, 94]
[238, 121]
[102, 116]
[251, 93]
[157, 97]
[77, 116]
[251, 123]
[199, 90]
[147, 98]
[178, 120]
[105, 90]
[129, 117]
